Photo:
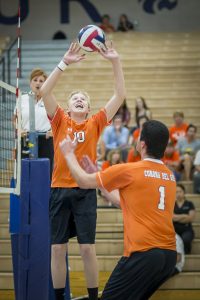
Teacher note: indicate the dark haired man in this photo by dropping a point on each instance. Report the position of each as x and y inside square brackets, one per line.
[147, 192]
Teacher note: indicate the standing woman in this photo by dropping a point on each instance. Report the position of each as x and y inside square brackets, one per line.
[141, 110]
[42, 124]
[184, 214]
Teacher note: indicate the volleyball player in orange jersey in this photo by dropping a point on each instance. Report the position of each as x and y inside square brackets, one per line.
[71, 208]
[147, 192]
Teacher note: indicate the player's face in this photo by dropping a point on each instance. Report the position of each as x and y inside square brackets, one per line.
[179, 193]
[78, 103]
[36, 83]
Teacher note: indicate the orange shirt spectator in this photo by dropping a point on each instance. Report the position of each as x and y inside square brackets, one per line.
[136, 132]
[175, 157]
[133, 156]
[178, 130]
[106, 26]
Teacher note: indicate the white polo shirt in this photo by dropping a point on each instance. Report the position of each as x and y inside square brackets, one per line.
[42, 123]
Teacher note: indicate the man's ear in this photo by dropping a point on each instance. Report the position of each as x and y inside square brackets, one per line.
[142, 145]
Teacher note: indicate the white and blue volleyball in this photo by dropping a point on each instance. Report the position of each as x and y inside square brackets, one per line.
[91, 38]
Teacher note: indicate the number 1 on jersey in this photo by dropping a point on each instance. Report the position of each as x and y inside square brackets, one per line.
[161, 204]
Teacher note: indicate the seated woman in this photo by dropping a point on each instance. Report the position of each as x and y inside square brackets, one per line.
[184, 214]
[125, 113]
[141, 110]
[124, 24]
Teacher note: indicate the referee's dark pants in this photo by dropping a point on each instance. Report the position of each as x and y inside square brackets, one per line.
[137, 277]
[45, 149]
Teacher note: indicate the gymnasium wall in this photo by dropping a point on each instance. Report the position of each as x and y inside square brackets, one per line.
[42, 18]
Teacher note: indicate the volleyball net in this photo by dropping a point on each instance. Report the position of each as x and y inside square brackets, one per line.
[10, 139]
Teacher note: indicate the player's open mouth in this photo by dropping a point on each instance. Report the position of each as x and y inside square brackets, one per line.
[79, 105]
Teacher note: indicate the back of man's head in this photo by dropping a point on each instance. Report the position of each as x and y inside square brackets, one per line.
[156, 136]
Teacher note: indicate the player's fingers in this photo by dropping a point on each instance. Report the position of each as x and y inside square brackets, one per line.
[73, 46]
[78, 48]
[81, 57]
[101, 51]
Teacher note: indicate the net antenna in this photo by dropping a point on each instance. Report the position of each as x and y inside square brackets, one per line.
[10, 131]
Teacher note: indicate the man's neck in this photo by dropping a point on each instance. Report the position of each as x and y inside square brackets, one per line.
[78, 118]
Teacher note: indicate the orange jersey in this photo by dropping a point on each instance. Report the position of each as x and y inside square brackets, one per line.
[175, 133]
[147, 197]
[87, 135]
[136, 134]
[105, 165]
[175, 157]
[133, 156]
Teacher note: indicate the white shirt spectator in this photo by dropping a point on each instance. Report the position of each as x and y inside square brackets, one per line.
[180, 250]
[197, 159]
[42, 123]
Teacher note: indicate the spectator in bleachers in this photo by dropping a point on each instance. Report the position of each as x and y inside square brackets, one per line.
[136, 133]
[188, 146]
[133, 155]
[184, 215]
[180, 261]
[106, 26]
[42, 124]
[141, 110]
[124, 24]
[125, 113]
[196, 176]
[178, 130]
[113, 157]
[172, 160]
[116, 136]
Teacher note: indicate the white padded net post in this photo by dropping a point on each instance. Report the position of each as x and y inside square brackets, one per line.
[10, 139]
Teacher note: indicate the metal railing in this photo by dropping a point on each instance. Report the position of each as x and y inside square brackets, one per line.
[8, 55]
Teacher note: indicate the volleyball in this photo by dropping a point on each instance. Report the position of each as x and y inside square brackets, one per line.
[91, 38]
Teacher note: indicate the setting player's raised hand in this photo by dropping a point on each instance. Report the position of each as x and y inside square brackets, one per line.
[73, 55]
[109, 52]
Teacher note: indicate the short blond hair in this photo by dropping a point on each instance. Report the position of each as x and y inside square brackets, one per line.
[178, 114]
[80, 92]
[38, 72]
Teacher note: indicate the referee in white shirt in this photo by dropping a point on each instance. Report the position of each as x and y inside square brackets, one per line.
[42, 124]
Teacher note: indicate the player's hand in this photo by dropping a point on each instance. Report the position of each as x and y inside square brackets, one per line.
[67, 146]
[109, 52]
[88, 165]
[73, 55]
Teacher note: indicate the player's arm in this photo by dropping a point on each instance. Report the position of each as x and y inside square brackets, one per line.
[90, 167]
[185, 218]
[112, 196]
[70, 57]
[119, 96]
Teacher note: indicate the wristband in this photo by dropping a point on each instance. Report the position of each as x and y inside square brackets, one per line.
[62, 65]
